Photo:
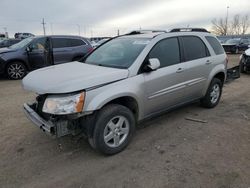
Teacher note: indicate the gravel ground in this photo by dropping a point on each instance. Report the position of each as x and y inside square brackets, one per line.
[167, 151]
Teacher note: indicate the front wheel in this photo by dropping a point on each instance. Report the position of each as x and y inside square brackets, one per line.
[114, 128]
[213, 94]
[16, 70]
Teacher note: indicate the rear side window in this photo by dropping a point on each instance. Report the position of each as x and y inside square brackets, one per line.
[194, 48]
[76, 42]
[59, 43]
[167, 51]
[66, 42]
[218, 49]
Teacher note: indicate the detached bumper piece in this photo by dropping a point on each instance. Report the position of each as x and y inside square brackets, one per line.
[233, 73]
[57, 128]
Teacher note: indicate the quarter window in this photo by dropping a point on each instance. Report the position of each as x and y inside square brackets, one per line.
[167, 51]
[218, 49]
[194, 48]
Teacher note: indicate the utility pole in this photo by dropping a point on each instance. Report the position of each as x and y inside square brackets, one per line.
[43, 23]
[118, 32]
[227, 21]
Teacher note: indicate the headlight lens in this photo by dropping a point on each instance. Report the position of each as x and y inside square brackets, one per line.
[64, 105]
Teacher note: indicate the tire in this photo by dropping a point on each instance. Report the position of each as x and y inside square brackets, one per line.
[213, 94]
[117, 124]
[242, 67]
[16, 70]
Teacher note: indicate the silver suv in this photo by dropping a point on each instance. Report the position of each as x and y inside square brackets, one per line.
[124, 81]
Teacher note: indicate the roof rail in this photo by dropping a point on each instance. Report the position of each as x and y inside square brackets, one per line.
[136, 32]
[189, 30]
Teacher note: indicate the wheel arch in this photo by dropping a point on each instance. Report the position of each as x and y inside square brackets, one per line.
[16, 60]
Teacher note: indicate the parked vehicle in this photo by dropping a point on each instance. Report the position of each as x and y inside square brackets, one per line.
[23, 35]
[236, 45]
[37, 52]
[3, 36]
[8, 42]
[126, 80]
[245, 61]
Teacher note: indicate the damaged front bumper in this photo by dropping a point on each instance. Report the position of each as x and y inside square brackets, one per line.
[31, 114]
[57, 127]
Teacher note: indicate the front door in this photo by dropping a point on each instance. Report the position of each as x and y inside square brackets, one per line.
[165, 87]
[39, 53]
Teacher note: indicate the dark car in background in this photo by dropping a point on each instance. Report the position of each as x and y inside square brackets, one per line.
[8, 42]
[23, 35]
[37, 52]
[236, 45]
[245, 62]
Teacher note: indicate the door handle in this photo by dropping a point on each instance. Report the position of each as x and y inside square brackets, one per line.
[179, 70]
[208, 62]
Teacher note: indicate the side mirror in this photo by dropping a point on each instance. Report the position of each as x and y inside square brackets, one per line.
[153, 64]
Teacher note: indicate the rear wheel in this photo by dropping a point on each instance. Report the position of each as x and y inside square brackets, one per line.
[114, 128]
[16, 70]
[213, 94]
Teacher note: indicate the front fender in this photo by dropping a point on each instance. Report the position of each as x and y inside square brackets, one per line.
[130, 87]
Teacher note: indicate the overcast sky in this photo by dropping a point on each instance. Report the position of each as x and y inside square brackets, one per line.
[105, 17]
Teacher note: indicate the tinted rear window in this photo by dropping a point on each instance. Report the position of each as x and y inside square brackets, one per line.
[194, 48]
[218, 49]
[66, 42]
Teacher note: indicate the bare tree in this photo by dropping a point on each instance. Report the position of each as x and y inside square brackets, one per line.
[235, 25]
[219, 26]
[245, 23]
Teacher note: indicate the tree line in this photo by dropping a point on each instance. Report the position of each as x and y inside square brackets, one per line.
[237, 26]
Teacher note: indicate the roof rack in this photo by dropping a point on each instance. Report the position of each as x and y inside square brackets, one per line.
[189, 30]
[136, 32]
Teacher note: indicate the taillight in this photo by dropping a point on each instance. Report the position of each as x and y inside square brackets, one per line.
[90, 50]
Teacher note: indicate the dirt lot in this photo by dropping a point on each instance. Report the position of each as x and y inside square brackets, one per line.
[168, 151]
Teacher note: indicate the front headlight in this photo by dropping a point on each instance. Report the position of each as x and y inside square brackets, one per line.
[64, 105]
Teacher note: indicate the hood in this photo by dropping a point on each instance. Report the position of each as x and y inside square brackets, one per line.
[70, 77]
[6, 50]
[247, 52]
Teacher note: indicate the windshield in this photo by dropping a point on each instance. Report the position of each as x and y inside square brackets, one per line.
[233, 41]
[118, 53]
[21, 44]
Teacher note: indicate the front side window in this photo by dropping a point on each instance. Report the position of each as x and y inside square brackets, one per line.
[194, 48]
[167, 51]
[39, 44]
[118, 53]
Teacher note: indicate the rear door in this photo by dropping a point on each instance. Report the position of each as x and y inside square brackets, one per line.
[198, 65]
[62, 50]
[165, 87]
